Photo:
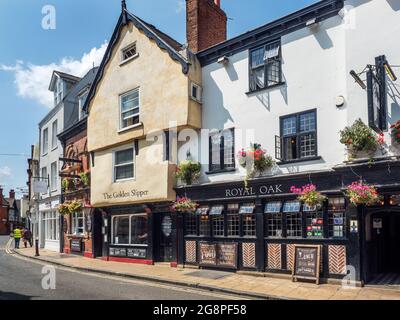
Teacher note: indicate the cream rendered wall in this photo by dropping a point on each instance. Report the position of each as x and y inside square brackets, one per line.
[163, 93]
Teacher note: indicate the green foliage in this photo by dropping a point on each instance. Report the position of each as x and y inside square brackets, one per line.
[188, 171]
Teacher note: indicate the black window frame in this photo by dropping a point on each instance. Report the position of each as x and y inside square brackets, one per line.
[222, 166]
[267, 64]
[298, 135]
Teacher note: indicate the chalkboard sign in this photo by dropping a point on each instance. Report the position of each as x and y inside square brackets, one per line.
[227, 254]
[208, 254]
[306, 262]
[137, 253]
[76, 245]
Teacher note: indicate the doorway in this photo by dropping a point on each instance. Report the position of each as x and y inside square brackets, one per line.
[97, 234]
[163, 237]
[384, 251]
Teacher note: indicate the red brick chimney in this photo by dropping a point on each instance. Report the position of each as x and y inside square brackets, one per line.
[12, 194]
[1, 195]
[206, 24]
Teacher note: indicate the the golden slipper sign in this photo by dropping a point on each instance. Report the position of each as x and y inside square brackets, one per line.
[126, 194]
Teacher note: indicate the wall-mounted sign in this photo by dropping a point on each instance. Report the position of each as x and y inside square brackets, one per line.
[126, 194]
[353, 226]
[117, 252]
[219, 254]
[166, 225]
[137, 253]
[208, 254]
[306, 262]
[252, 191]
[39, 186]
[377, 223]
[76, 245]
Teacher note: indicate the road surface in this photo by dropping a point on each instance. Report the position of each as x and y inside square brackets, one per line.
[21, 279]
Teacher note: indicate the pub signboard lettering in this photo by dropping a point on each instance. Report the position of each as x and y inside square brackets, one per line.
[306, 262]
[219, 254]
[253, 191]
[118, 252]
[208, 254]
[76, 245]
[137, 253]
[126, 194]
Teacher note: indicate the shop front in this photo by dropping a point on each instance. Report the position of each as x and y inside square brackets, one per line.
[49, 225]
[257, 228]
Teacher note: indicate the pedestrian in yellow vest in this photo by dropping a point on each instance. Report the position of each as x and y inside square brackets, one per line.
[17, 236]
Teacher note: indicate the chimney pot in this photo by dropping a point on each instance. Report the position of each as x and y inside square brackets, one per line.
[12, 194]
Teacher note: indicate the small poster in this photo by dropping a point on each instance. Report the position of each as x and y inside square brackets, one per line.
[208, 254]
[377, 223]
[227, 254]
[353, 226]
[306, 262]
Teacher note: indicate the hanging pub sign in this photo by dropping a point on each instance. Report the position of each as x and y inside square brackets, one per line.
[76, 245]
[306, 262]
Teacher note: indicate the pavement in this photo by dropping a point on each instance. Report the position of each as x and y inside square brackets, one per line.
[246, 286]
[22, 278]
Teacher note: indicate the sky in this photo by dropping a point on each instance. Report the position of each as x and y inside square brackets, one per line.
[29, 54]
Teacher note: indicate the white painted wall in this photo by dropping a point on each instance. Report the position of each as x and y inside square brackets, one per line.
[316, 66]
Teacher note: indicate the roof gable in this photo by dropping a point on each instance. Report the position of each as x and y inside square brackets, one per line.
[162, 40]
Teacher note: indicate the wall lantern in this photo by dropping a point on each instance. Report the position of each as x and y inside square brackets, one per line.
[340, 101]
[358, 79]
[223, 60]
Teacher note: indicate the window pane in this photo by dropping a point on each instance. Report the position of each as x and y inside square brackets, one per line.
[54, 134]
[204, 225]
[233, 220]
[257, 57]
[125, 156]
[120, 230]
[307, 122]
[257, 79]
[229, 161]
[289, 126]
[315, 224]
[124, 172]
[191, 224]
[274, 224]
[308, 145]
[291, 206]
[290, 148]
[249, 225]
[130, 101]
[218, 226]
[273, 72]
[139, 233]
[293, 224]
[336, 217]
[215, 152]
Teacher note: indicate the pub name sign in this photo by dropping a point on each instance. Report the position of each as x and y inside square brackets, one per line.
[253, 191]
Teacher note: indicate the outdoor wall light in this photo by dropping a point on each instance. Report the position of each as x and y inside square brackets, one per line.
[223, 60]
[358, 79]
[312, 23]
[389, 71]
[340, 101]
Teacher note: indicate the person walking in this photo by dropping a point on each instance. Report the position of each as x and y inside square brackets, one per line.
[17, 236]
[27, 237]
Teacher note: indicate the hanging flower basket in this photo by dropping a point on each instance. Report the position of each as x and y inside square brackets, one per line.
[63, 209]
[395, 132]
[360, 138]
[184, 205]
[362, 194]
[255, 160]
[188, 171]
[75, 206]
[309, 195]
[85, 178]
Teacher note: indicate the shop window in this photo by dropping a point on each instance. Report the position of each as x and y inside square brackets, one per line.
[336, 217]
[205, 226]
[218, 226]
[249, 220]
[222, 151]
[129, 109]
[395, 200]
[265, 66]
[274, 219]
[233, 220]
[139, 232]
[314, 222]
[77, 223]
[293, 219]
[120, 230]
[51, 223]
[191, 224]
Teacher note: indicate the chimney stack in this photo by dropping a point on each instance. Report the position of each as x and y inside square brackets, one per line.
[12, 194]
[206, 24]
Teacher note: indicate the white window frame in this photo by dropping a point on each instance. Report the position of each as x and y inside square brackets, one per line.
[80, 103]
[53, 177]
[45, 144]
[44, 178]
[54, 139]
[51, 219]
[130, 229]
[126, 48]
[123, 148]
[74, 223]
[121, 128]
[59, 90]
[199, 92]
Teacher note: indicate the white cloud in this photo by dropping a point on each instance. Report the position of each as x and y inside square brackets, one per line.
[32, 81]
[181, 6]
[5, 172]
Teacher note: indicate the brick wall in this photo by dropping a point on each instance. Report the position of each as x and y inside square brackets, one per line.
[3, 216]
[206, 24]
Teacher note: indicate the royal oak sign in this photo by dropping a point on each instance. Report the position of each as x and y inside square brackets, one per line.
[253, 191]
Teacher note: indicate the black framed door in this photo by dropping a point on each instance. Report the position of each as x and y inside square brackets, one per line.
[97, 234]
[163, 240]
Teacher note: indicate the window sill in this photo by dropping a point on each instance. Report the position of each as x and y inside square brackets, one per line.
[44, 154]
[299, 160]
[129, 59]
[138, 125]
[54, 148]
[266, 88]
[124, 180]
[220, 171]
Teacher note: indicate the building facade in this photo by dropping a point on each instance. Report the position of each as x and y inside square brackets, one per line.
[4, 226]
[33, 197]
[287, 86]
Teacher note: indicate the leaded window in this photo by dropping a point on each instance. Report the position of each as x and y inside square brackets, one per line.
[233, 220]
[191, 224]
[205, 229]
[314, 222]
[274, 219]
[336, 217]
[249, 219]
[293, 219]
[222, 150]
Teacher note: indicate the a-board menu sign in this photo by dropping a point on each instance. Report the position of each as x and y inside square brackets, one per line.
[76, 245]
[306, 262]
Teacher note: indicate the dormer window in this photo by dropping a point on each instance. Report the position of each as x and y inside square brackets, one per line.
[129, 53]
[195, 92]
[58, 92]
[81, 102]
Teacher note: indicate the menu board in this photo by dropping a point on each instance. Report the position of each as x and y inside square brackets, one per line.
[137, 253]
[118, 252]
[76, 245]
[219, 254]
[208, 254]
[306, 262]
[227, 254]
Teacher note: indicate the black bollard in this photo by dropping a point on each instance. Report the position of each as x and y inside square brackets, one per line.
[37, 248]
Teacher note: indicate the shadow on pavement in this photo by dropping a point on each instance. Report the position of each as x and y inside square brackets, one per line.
[13, 296]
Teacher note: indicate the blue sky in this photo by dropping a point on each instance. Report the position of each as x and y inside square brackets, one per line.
[28, 53]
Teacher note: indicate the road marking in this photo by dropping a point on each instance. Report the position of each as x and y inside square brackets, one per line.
[138, 282]
[9, 250]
